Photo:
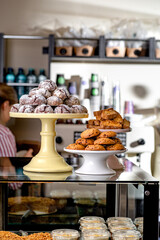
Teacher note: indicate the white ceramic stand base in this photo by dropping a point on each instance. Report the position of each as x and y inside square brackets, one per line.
[95, 162]
[48, 160]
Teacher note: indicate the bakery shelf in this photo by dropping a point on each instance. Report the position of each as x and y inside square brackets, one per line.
[23, 84]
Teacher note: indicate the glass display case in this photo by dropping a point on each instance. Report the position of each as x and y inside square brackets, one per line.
[35, 202]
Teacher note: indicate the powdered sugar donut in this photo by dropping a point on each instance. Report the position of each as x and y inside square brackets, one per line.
[61, 93]
[38, 100]
[63, 109]
[15, 107]
[25, 99]
[43, 109]
[54, 101]
[79, 109]
[72, 100]
[26, 109]
[48, 84]
[40, 91]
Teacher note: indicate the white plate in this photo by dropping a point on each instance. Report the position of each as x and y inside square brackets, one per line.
[95, 161]
[117, 130]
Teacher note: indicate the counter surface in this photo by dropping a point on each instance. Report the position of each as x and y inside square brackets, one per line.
[11, 170]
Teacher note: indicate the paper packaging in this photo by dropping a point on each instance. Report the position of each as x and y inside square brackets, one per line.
[85, 51]
[64, 51]
[134, 52]
[115, 51]
[157, 52]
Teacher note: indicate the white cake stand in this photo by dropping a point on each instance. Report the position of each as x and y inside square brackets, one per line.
[94, 161]
[48, 160]
[120, 130]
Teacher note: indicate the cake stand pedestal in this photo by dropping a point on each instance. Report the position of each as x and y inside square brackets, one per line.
[95, 161]
[48, 160]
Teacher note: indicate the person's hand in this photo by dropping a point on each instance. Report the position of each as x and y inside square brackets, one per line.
[29, 153]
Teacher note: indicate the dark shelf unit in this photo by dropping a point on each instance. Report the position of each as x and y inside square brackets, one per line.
[99, 57]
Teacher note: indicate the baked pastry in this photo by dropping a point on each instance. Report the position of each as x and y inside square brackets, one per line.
[94, 122]
[118, 119]
[6, 235]
[72, 100]
[38, 100]
[108, 114]
[85, 141]
[43, 109]
[117, 140]
[126, 123]
[97, 113]
[26, 109]
[48, 84]
[75, 146]
[40, 91]
[107, 134]
[110, 124]
[61, 93]
[54, 101]
[105, 141]
[114, 147]
[63, 109]
[79, 109]
[89, 133]
[93, 126]
[95, 148]
[15, 107]
[25, 99]
[39, 236]
[42, 204]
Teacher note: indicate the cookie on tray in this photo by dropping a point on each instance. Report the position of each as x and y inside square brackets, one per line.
[94, 122]
[126, 123]
[15, 107]
[115, 147]
[95, 148]
[72, 100]
[118, 119]
[74, 146]
[108, 114]
[89, 133]
[107, 134]
[94, 126]
[105, 141]
[85, 141]
[48, 84]
[110, 124]
[54, 101]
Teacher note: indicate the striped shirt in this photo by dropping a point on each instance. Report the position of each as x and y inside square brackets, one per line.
[7, 142]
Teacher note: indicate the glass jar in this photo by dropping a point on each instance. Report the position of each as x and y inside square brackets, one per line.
[122, 219]
[91, 219]
[126, 235]
[65, 234]
[98, 226]
[138, 221]
[121, 226]
[95, 234]
[117, 222]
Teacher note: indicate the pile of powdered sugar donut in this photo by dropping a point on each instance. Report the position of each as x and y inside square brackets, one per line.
[48, 98]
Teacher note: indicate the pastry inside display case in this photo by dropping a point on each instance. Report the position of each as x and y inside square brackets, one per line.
[51, 205]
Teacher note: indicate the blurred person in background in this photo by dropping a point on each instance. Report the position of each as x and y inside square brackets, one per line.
[8, 97]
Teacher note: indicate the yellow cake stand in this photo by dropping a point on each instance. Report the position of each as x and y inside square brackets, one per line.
[48, 160]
